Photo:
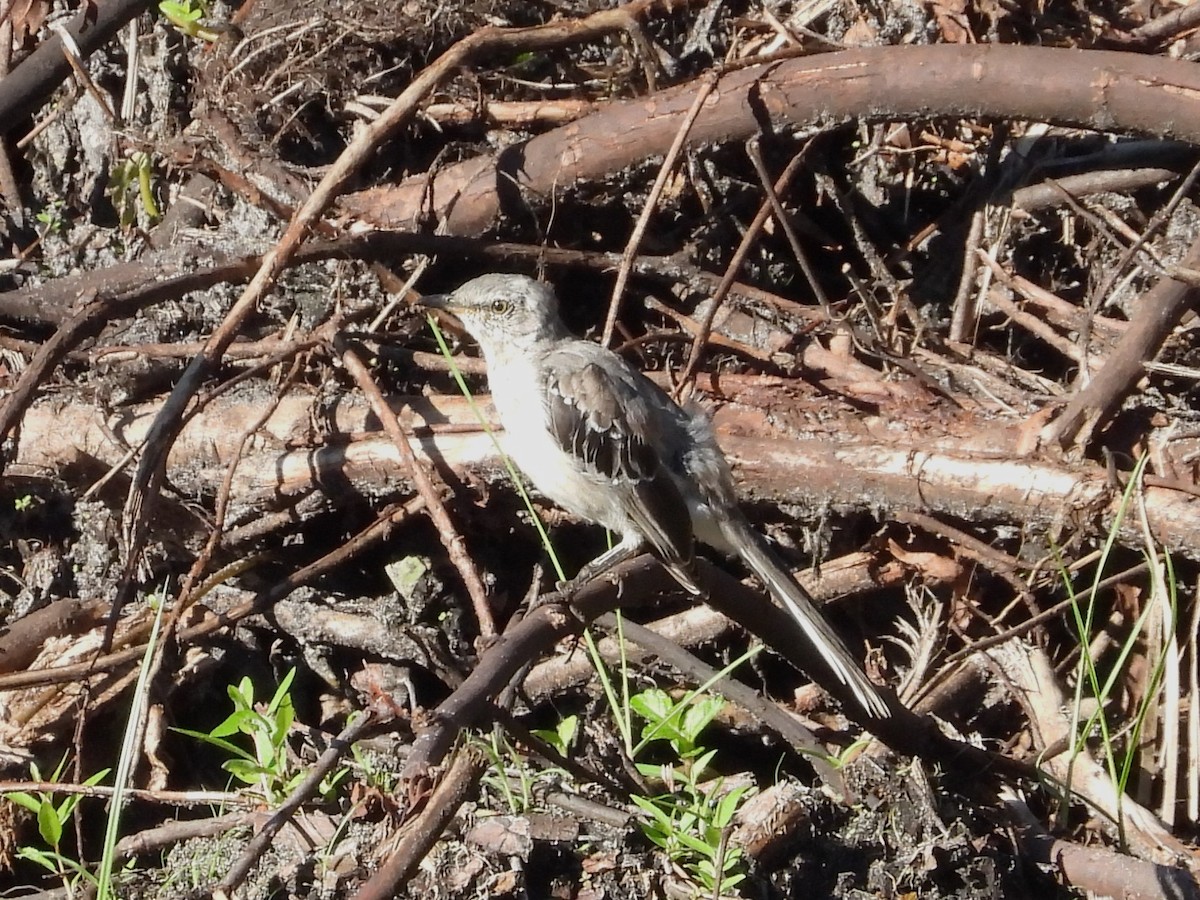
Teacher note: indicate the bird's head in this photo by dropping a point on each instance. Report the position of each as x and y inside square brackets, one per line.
[504, 313]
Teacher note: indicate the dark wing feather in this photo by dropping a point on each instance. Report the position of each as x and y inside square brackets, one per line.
[598, 414]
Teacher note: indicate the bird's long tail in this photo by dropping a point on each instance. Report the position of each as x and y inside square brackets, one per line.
[758, 555]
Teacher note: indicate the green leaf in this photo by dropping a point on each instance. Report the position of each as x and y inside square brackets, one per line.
[63, 810]
[657, 771]
[649, 806]
[697, 717]
[216, 742]
[700, 765]
[242, 694]
[727, 806]
[694, 843]
[241, 720]
[30, 802]
[46, 860]
[405, 574]
[98, 777]
[284, 716]
[281, 692]
[562, 735]
[58, 770]
[654, 705]
[49, 824]
[243, 770]
[567, 729]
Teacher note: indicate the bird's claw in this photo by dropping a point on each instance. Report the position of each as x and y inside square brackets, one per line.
[567, 588]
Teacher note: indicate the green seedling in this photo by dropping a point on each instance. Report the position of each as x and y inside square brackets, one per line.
[265, 767]
[130, 185]
[52, 819]
[187, 16]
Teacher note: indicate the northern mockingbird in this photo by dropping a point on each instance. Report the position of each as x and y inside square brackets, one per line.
[604, 442]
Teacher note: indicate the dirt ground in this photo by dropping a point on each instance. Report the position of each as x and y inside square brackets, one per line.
[276, 621]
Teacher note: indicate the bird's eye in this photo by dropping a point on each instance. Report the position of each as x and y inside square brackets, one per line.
[501, 306]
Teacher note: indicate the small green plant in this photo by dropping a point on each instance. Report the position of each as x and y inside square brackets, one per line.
[689, 824]
[266, 767]
[1089, 681]
[373, 772]
[562, 735]
[131, 183]
[688, 820]
[23, 504]
[52, 819]
[509, 774]
[186, 15]
[679, 724]
[52, 217]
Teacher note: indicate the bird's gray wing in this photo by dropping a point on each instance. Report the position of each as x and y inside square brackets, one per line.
[601, 414]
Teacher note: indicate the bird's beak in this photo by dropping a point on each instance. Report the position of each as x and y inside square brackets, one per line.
[435, 301]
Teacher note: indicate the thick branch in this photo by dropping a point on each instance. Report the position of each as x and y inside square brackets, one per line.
[27, 87]
[1100, 90]
[844, 467]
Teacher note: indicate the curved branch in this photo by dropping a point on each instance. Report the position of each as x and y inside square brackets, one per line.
[1100, 90]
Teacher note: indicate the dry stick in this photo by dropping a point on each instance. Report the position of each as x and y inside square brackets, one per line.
[165, 276]
[32, 82]
[132, 286]
[1097, 296]
[966, 299]
[115, 354]
[421, 834]
[169, 798]
[9, 188]
[447, 533]
[996, 561]
[639, 229]
[1096, 871]
[83, 324]
[75, 60]
[1048, 193]
[1158, 313]
[176, 831]
[1031, 323]
[471, 701]
[1138, 94]
[692, 327]
[188, 592]
[785, 221]
[338, 748]
[23, 639]
[735, 265]
[147, 481]
[1045, 615]
[1165, 28]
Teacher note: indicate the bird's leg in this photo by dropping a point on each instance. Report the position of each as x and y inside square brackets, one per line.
[627, 549]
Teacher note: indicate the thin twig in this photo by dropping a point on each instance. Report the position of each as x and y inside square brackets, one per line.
[754, 151]
[448, 534]
[338, 748]
[735, 265]
[421, 834]
[707, 84]
[375, 533]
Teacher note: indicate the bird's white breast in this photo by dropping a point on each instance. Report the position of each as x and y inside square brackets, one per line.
[527, 439]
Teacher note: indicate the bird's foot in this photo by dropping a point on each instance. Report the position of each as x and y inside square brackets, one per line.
[568, 588]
